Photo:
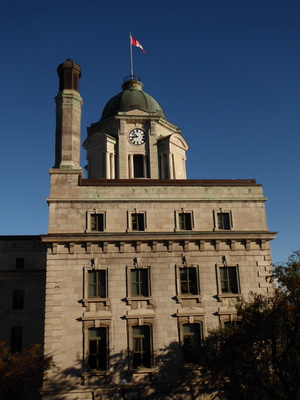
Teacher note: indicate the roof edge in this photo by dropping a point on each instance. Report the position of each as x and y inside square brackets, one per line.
[168, 182]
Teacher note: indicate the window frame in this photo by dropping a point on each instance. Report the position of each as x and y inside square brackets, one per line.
[86, 298]
[97, 284]
[139, 285]
[222, 294]
[134, 167]
[199, 327]
[98, 353]
[178, 222]
[89, 220]
[182, 296]
[94, 324]
[144, 340]
[130, 297]
[130, 220]
[132, 323]
[216, 214]
[16, 339]
[139, 162]
[230, 322]
[184, 320]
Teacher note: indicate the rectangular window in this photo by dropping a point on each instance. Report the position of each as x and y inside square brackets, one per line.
[224, 220]
[185, 221]
[20, 262]
[138, 221]
[18, 300]
[163, 167]
[229, 280]
[97, 359]
[139, 280]
[188, 280]
[139, 166]
[192, 341]
[97, 283]
[16, 339]
[231, 324]
[97, 222]
[141, 347]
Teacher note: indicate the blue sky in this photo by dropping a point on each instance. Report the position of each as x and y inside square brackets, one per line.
[225, 71]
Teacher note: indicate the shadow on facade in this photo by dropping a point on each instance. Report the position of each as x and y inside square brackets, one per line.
[169, 379]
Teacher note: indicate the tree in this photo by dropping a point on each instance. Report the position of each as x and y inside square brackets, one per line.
[21, 372]
[259, 357]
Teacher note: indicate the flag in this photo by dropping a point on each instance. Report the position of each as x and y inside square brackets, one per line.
[137, 44]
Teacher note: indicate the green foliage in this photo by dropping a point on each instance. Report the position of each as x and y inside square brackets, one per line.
[259, 358]
[20, 371]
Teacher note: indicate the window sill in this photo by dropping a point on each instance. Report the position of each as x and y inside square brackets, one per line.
[104, 376]
[197, 297]
[149, 300]
[222, 230]
[135, 231]
[95, 373]
[143, 370]
[89, 231]
[103, 300]
[229, 296]
[190, 367]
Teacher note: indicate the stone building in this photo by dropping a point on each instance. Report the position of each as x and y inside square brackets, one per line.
[141, 262]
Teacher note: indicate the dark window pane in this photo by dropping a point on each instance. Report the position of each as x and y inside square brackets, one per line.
[229, 282]
[138, 166]
[97, 283]
[185, 221]
[141, 347]
[93, 347]
[139, 282]
[233, 280]
[138, 221]
[16, 339]
[184, 280]
[231, 324]
[188, 280]
[92, 361]
[224, 279]
[97, 222]
[68, 77]
[223, 221]
[20, 262]
[98, 348]
[18, 300]
[192, 340]
[75, 81]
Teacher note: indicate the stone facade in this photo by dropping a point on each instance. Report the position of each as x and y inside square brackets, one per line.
[170, 258]
[22, 288]
[140, 262]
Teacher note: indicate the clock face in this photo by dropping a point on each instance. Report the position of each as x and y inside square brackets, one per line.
[137, 136]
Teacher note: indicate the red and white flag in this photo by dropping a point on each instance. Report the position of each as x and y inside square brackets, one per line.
[137, 44]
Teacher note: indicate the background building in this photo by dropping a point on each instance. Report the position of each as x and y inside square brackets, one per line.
[140, 262]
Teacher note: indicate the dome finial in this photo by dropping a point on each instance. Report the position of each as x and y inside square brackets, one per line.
[132, 83]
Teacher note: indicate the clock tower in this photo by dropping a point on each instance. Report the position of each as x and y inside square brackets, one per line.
[133, 139]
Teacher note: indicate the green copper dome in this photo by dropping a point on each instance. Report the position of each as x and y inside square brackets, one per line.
[132, 98]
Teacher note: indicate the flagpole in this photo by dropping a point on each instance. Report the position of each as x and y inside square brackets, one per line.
[131, 60]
